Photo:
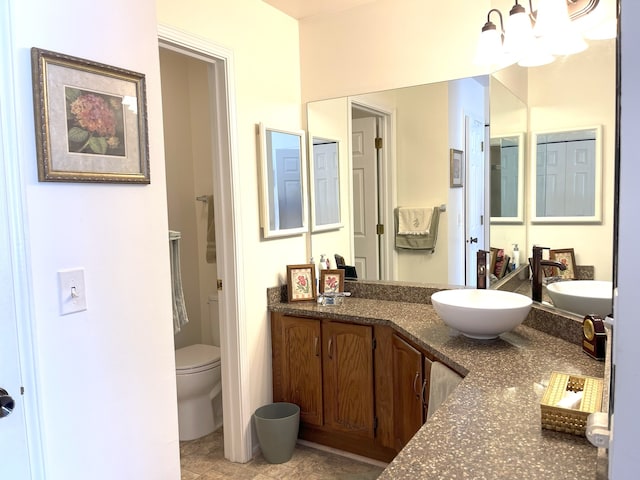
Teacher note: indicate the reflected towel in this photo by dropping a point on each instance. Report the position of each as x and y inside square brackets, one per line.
[180, 317]
[414, 221]
[211, 232]
[442, 382]
[419, 242]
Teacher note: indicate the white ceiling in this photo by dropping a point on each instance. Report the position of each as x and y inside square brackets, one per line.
[307, 8]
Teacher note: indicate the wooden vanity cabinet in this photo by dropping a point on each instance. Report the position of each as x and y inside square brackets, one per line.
[297, 365]
[361, 388]
[410, 372]
[327, 368]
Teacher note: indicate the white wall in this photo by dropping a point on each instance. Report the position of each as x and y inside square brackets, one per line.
[106, 376]
[624, 453]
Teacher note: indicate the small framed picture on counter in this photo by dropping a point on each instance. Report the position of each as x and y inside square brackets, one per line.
[301, 282]
[331, 281]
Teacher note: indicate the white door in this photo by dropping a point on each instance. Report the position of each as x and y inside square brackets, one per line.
[365, 197]
[475, 228]
[14, 455]
[289, 207]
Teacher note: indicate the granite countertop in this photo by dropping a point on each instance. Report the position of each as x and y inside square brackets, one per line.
[489, 427]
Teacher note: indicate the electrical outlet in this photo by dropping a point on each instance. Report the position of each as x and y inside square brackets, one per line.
[71, 291]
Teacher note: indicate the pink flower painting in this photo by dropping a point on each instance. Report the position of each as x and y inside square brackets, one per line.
[95, 123]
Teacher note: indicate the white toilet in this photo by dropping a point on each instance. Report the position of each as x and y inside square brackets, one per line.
[199, 390]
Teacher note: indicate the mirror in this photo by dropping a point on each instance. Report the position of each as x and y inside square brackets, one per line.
[324, 165]
[283, 177]
[571, 93]
[567, 176]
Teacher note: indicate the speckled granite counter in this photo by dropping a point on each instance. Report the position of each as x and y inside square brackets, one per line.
[489, 427]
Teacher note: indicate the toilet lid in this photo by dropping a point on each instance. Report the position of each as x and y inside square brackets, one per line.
[195, 356]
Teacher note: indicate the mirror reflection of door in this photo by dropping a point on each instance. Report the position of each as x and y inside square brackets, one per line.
[326, 182]
[475, 224]
[365, 197]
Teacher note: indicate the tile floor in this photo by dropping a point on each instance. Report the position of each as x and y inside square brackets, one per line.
[202, 459]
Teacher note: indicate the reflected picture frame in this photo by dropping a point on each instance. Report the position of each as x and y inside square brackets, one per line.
[301, 282]
[567, 257]
[331, 281]
[456, 168]
[90, 120]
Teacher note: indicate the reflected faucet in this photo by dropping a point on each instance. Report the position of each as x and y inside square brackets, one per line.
[537, 262]
[481, 269]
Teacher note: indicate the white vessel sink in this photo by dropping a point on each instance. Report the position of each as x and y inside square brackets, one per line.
[582, 296]
[482, 314]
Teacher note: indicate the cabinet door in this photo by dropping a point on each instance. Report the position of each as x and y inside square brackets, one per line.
[408, 408]
[348, 378]
[298, 359]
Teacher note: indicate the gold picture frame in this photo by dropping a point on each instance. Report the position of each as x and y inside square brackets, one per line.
[456, 170]
[90, 120]
[567, 257]
[301, 282]
[332, 281]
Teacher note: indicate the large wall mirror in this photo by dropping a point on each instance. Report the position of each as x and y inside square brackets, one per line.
[576, 91]
[283, 180]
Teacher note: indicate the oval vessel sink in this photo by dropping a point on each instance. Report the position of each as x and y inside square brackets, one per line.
[582, 296]
[482, 314]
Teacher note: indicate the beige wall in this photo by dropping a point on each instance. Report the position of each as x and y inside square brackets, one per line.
[188, 163]
[389, 44]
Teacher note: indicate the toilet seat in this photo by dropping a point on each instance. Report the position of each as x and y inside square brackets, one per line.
[196, 358]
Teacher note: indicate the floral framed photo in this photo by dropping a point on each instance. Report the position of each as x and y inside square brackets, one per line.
[456, 172]
[301, 282]
[567, 257]
[331, 281]
[90, 119]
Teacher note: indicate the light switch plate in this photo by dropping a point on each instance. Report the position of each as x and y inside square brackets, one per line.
[71, 291]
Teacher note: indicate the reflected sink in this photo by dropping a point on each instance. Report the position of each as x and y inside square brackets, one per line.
[582, 296]
[482, 314]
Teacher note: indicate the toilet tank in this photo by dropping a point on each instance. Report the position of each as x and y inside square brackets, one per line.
[214, 319]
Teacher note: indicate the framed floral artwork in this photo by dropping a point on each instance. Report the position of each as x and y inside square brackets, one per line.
[567, 257]
[331, 281]
[301, 282]
[90, 120]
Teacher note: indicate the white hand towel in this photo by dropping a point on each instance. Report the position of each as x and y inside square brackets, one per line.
[414, 221]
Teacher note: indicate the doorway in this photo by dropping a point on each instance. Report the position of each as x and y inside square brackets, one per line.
[370, 156]
[235, 392]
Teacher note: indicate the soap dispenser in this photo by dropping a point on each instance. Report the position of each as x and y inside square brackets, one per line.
[515, 256]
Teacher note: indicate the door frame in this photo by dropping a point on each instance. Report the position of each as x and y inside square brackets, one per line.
[233, 330]
[386, 181]
[18, 292]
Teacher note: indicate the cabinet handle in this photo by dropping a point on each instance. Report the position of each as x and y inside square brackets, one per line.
[330, 347]
[414, 384]
[424, 387]
[315, 346]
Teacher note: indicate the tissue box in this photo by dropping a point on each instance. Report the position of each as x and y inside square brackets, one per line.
[574, 419]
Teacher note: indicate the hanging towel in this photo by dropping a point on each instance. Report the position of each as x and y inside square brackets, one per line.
[414, 221]
[177, 296]
[211, 232]
[421, 241]
[442, 382]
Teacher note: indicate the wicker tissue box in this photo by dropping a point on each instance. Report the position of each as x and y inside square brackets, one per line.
[568, 400]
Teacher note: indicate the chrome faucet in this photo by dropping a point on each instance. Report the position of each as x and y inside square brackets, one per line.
[537, 262]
